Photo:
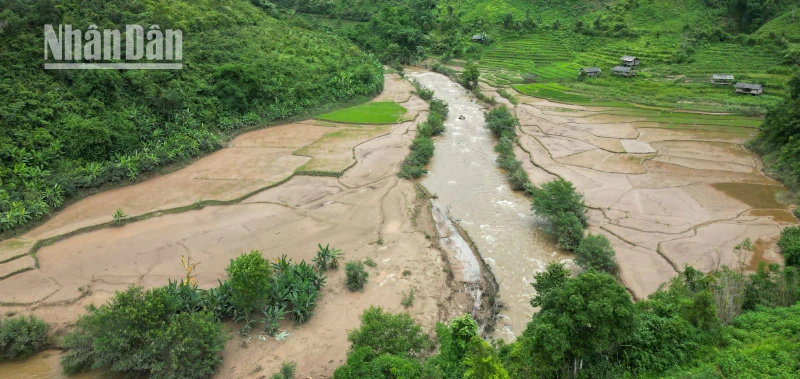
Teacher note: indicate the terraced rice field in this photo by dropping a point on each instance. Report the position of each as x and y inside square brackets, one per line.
[557, 58]
[541, 55]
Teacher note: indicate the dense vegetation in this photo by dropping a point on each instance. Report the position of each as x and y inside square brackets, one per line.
[422, 146]
[778, 139]
[21, 337]
[62, 131]
[503, 125]
[721, 324]
[176, 331]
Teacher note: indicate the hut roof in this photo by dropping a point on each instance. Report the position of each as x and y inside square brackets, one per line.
[591, 69]
[722, 77]
[622, 69]
[628, 58]
[748, 85]
[477, 37]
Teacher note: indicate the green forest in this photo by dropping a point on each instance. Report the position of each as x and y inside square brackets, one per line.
[64, 131]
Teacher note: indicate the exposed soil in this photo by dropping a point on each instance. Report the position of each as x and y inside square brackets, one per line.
[665, 197]
[367, 213]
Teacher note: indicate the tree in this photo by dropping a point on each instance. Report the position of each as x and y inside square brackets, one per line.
[568, 230]
[249, 281]
[557, 196]
[385, 333]
[595, 253]
[483, 363]
[794, 85]
[790, 245]
[470, 75]
[580, 319]
[554, 276]
[146, 333]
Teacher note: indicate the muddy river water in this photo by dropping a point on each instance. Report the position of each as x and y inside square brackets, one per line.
[468, 182]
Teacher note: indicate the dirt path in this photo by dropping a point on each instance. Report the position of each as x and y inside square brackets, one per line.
[665, 197]
[367, 213]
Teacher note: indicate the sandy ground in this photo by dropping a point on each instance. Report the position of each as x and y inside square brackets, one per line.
[665, 198]
[365, 205]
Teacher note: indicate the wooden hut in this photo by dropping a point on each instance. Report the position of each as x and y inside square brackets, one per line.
[749, 89]
[629, 61]
[591, 71]
[722, 79]
[624, 71]
[478, 38]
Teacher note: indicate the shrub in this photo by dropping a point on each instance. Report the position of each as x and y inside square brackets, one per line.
[21, 337]
[559, 196]
[327, 257]
[144, 333]
[249, 281]
[424, 93]
[790, 245]
[287, 370]
[356, 276]
[385, 333]
[436, 123]
[568, 230]
[595, 253]
[408, 299]
[501, 122]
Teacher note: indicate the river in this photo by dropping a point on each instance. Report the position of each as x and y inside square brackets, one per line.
[468, 182]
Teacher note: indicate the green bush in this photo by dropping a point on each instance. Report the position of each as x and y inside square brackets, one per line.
[21, 337]
[287, 371]
[568, 230]
[385, 333]
[145, 333]
[595, 253]
[327, 257]
[356, 275]
[501, 122]
[249, 282]
[422, 146]
[559, 196]
[790, 245]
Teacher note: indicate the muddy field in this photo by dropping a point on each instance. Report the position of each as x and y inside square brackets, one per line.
[665, 197]
[368, 212]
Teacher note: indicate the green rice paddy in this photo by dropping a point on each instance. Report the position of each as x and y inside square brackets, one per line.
[556, 58]
[387, 112]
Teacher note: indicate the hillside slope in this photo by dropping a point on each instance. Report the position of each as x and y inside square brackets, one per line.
[63, 130]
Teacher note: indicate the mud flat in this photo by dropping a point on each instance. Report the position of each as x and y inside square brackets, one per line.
[473, 191]
[367, 212]
[665, 196]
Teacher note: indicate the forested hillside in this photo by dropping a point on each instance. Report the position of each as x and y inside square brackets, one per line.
[61, 131]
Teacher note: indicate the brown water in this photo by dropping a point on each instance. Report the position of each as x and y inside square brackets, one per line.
[475, 192]
[45, 365]
[758, 196]
[778, 215]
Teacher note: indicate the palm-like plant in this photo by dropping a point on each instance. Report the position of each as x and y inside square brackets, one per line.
[119, 217]
[303, 303]
[327, 257]
[273, 314]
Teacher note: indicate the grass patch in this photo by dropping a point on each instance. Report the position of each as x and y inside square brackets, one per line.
[385, 112]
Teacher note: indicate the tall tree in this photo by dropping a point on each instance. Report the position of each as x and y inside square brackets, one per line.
[584, 317]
